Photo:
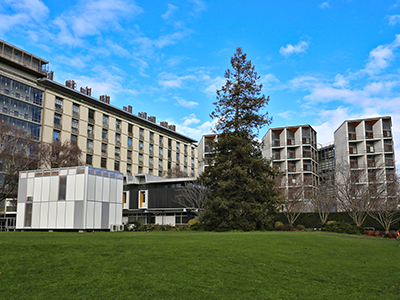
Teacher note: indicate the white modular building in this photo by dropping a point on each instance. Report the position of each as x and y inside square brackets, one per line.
[77, 198]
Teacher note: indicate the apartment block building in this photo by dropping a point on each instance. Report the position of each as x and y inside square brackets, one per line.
[205, 151]
[366, 145]
[109, 137]
[293, 150]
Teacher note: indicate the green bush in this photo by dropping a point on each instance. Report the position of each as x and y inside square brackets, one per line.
[193, 221]
[301, 227]
[278, 224]
[342, 227]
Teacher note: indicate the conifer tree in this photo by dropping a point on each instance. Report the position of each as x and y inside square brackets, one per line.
[242, 194]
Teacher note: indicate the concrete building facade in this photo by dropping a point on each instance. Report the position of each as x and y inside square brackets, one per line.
[109, 137]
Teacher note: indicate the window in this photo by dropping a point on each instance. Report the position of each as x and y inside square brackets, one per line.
[91, 115]
[118, 138]
[117, 152]
[151, 136]
[192, 172]
[140, 170]
[56, 135]
[160, 139]
[129, 155]
[129, 168]
[169, 165]
[160, 151]
[74, 139]
[104, 163]
[160, 173]
[177, 146]
[104, 149]
[185, 148]
[151, 171]
[141, 132]
[58, 103]
[57, 119]
[118, 124]
[104, 133]
[185, 170]
[130, 128]
[89, 145]
[75, 109]
[116, 166]
[160, 163]
[75, 124]
[129, 142]
[90, 129]
[169, 143]
[177, 157]
[140, 145]
[62, 190]
[105, 120]
[192, 151]
[150, 160]
[140, 157]
[151, 148]
[185, 159]
[89, 159]
[169, 154]
[192, 161]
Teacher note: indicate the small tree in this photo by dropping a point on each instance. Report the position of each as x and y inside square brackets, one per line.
[353, 192]
[324, 200]
[386, 204]
[175, 173]
[295, 202]
[192, 196]
[60, 154]
[241, 182]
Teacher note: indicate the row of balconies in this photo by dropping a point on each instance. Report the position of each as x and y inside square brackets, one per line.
[369, 135]
[371, 149]
[292, 155]
[371, 164]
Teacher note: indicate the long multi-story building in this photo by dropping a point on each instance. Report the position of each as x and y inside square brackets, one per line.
[205, 151]
[293, 150]
[109, 137]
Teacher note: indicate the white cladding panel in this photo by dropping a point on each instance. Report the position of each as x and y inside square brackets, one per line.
[89, 214]
[80, 187]
[106, 189]
[44, 215]
[118, 214]
[61, 214]
[70, 187]
[37, 193]
[91, 187]
[99, 188]
[119, 191]
[69, 214]
[54, 188]
[112, 219]
[113, 190]
[45, 188]
[29, 188]
[97, 215]
[164, 220]
[52, 214]
[20, 215]
[35, 215]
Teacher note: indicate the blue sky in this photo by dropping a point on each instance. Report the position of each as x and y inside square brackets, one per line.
[320, 62]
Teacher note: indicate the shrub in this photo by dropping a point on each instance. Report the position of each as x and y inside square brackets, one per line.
[278, 224]
[193, 221]
[285, 227]
[342, 227]
[301, 227]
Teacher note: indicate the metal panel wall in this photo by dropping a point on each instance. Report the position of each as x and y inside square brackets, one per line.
[60, 214]
[45, 189]
[52, 214]
[71, 187]
[69, 214]
[79, 215]
[97, 214]
[80, 187]
[36, 215]
[37, 194]
[44, 215]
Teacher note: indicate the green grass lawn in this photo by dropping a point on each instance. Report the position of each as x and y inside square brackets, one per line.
[198, 265]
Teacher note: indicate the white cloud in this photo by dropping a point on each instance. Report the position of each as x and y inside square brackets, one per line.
[380, 57]
[170, 11]
[190, 120]
[185, 103]
[169, 80]
[214, 85]
[394, 19]
[287, 114]
[289, 49]
[324, 5]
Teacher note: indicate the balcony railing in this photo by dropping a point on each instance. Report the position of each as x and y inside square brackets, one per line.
[388, 148]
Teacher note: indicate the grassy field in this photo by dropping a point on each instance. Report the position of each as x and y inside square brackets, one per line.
[198, 265]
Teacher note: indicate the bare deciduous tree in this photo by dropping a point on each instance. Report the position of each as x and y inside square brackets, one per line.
[60, 155]
[324, 200]
[294, 200]
[192, 196]
[175, 173]
[385, 208]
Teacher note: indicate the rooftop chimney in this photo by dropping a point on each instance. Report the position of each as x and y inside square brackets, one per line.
[71, 84]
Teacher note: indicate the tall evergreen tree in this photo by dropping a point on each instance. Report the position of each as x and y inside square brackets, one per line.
[241, 182]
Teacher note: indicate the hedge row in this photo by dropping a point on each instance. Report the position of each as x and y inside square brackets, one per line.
[312, 220]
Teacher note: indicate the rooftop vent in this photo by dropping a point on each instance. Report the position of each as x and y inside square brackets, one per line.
[164, 124]
[105, 99]
[86, 90]
[50, 75]
[129, 109]
[143, 115]
[71, 84]
[125, 108]
[152, 119]
[172, 127]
